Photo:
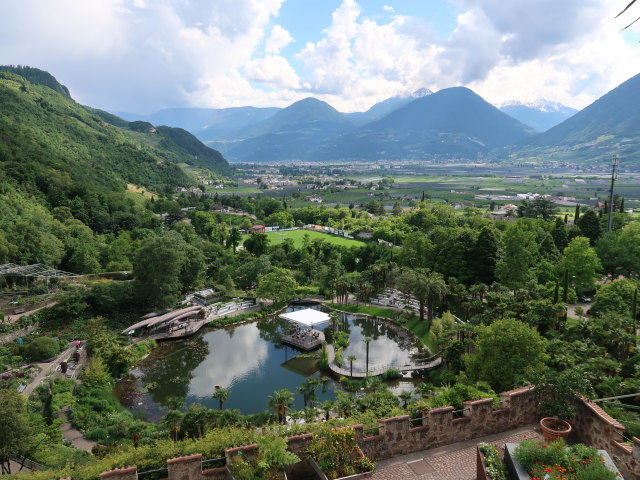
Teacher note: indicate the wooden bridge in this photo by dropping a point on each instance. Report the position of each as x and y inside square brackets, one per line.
[376, 370]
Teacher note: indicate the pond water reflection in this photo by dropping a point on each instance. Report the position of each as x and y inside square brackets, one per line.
[251, 362]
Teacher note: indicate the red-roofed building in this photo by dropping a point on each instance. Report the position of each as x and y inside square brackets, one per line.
[257, 229]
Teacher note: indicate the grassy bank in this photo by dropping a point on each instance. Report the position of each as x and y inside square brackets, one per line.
[418, 328]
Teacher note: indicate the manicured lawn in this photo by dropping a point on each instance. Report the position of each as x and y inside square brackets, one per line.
[418, 328]
[298, 238]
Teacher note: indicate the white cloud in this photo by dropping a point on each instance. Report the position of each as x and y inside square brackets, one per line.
[571, 53]
[135, 55]
[278, 39]
[168, 54]
[272, 70]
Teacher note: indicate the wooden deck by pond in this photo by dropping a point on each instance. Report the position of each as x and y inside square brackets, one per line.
[308, 341]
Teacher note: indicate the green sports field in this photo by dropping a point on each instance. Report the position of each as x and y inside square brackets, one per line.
[298, 237]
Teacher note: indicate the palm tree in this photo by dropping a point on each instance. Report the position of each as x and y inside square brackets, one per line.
[314, 384]
[327, 405]
[222, 395]
[425, 285]
[367, 341]
[170, 420]
[351, 358]
[280, 402]
[308, 391]
[405, 397]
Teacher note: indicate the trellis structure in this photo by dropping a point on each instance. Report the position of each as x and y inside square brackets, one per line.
[36, 270]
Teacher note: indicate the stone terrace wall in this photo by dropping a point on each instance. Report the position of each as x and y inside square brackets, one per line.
[181, 468]
[439, 427]
[396, 436]
[597, 428]
[399, 435]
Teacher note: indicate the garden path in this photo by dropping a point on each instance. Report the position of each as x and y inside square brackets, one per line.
[16, 316]
[46, 368]
[76, 437]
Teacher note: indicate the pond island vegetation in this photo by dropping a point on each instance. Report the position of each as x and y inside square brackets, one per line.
[504, 292]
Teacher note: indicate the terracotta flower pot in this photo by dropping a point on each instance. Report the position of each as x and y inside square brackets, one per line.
[554, 428]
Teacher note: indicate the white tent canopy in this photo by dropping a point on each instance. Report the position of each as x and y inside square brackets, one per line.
[307, 317]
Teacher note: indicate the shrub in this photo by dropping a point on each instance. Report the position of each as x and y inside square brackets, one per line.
[458, 393]
[532, 452]
[341, 339]
[323, 361]
[392, 374]
[337, 453]
[338, 357]
[42, 348]
[97, 434]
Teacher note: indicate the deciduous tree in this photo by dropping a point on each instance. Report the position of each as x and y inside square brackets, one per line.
[582, 264]
[506, 352]
[279, 286]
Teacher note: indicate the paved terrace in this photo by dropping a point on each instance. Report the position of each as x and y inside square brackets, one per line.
[452, 462]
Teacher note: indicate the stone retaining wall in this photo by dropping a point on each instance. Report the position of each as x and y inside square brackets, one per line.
[597, 428]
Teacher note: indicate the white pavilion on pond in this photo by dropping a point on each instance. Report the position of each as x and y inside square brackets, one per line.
[303, 335]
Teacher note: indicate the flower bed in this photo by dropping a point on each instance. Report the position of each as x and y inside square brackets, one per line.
[490, 466]
[557, 461]
[338, 455]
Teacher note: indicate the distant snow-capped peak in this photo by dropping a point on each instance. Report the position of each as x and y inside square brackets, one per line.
[540, 104]
[421, 92]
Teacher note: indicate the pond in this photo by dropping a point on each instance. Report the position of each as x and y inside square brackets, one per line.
[250, 361]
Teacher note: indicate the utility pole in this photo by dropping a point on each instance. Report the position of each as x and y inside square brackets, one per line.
[614, 175]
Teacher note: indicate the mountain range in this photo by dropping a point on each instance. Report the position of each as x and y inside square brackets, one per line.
[541, 115]
[449, 124]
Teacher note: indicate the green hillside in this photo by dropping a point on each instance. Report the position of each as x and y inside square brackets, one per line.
[48, 143]
[290, 133]
[65, 171]
[616, 113]
[38, 77]
[607, 127]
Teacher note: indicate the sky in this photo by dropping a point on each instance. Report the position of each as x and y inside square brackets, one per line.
[144, 55]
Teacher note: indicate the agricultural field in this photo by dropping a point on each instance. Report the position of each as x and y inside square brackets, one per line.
[298, 238]
[466, 185]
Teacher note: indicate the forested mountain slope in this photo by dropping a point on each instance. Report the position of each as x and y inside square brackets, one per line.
[65, 170]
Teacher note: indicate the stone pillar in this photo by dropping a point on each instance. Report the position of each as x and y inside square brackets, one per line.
[129, 473]
[441, 426]
[247, 450]
[298, 443]
[185, 468]
[480, 414]
[395, 432]
[522, 405]
[358, 429]
[633, 465]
